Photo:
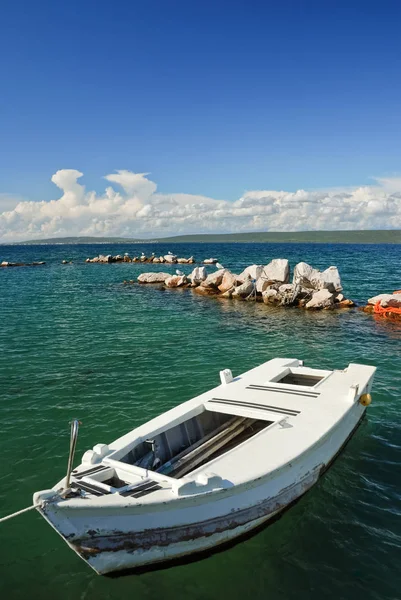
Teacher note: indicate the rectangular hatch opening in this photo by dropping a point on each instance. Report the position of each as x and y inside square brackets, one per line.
[181, 449]
[302, 379]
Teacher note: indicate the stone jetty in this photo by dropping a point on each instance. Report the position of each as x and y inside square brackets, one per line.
[167, 258]
[14, 264]
[310, 288]
[387, 306]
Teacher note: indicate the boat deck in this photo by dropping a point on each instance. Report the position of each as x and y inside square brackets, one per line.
[301, 406]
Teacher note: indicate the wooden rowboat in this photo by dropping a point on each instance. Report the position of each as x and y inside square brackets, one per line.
[210, 470]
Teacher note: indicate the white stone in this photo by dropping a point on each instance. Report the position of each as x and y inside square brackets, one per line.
[277, 270]
[243, 290]
[394, 301]
[380, 298]
[170, 258]
[308, 277]
[320, 299]
[229, 281]
[198, 275]
[210, 261]
[153, 277]
[269, 296]
[252, 272]
[176, 281]
[286, 287]
[214, 279]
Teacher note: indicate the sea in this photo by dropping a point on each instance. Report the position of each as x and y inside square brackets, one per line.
[75, 342]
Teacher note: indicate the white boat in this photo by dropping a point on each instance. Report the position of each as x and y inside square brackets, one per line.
[210, 470]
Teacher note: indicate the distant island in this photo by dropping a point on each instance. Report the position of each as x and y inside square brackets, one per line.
[384, 236]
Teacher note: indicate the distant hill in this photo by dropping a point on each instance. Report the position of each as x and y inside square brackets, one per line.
[387, 236]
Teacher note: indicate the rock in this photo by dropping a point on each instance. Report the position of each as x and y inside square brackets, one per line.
[243, 290]
[228, 282]
[308, 277]
[88, 260]
[143, 258]
[320, 299]
[205, 291]
[214, 279]
[210, 261]
[5, 263]
[380, 298]
[182, 261]
[269, 296]
[253, 272]
[277, 270]
[393, 302]
[64, 262]
[339, 298]
[228, 293]
[176, 281]
[198, 275]
[191, 260]
[345, 303]
[156, 260]
[153, 277]
[170, 258]
[286, 287]
[104, 259]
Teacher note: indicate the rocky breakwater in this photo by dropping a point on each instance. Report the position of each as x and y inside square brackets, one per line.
[168, 258]
[310, 289]
[5, 263]
[387, 306]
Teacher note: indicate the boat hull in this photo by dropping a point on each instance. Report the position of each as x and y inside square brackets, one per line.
[148, 540]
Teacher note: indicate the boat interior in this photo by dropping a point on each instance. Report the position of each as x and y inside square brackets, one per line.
[209, 430]
[174, 453]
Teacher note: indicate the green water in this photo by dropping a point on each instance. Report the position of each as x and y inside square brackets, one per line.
[76, 342]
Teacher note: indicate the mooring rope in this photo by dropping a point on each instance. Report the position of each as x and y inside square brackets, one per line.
[19, 512]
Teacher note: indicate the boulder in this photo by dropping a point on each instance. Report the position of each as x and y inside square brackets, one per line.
[270, 296]
[176, 281]
[339, 298]
[345, 303]
[156, 260]
[191, 260]
[286, 287]
[214, 279]
[205, 291]
[210, 261]
[228, 293]
[308, 277]
[393, 302]
[153, 277]
[243, 290]
[198, 275]
[182, 261]
[161, 259]
[320, 299]
[229, 281]
[252, 272]
[380, 298]
[88, 260]
[170, 258]
[277, 270]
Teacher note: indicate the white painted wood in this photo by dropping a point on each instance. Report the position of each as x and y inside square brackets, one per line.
[233, 492]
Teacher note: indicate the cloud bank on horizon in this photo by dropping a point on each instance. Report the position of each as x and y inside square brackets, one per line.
[138, 210]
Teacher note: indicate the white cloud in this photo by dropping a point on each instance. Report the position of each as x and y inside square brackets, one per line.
[138, 210]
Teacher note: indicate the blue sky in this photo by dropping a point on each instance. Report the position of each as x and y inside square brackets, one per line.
[212, 98]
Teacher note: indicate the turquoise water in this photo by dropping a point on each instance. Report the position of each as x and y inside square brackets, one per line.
[76, 342]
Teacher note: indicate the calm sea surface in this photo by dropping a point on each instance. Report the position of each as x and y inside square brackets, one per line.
[76, 342]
